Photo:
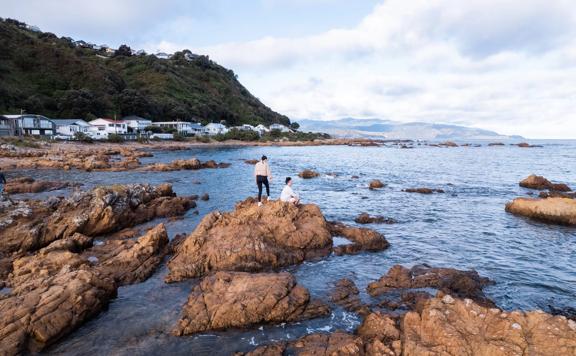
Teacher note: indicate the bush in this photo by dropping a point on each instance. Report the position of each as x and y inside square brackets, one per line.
[115, 138]
[203, 139]
[178, 137]
[82, 137]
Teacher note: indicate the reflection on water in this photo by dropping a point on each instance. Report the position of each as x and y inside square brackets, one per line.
[533, 264]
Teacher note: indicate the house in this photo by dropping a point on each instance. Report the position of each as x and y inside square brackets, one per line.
[246, 127]
[109, 126]
[279, 127]
[8, 127]
[33, 125]
[162, 55]
[261, 129]
[215, 129]
[137, 123]
[69, 127]
[182, 127]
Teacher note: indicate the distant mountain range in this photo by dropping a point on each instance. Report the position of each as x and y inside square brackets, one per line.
[387, 129]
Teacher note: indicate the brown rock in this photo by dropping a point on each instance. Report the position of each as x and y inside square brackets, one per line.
[184, 164]
[553, 210]
[252, 238]
[366, 218]
[338, 343]
[541, 183]
[251, 161]
[376, 184]
[449, 326]
[379, 326]
[496, 144]
[449, 144]
[238, 299]
[345, 294]
[464, 284]
[363, 239]
[205, 197]
[308, 173]
[423, 190]
[556, 194]
[29, 185]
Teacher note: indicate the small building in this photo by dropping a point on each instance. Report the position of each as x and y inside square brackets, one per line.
[110, 126]
[261, 129]
[215, 129]
[162, 55]
[8, 127]
[246, 127]
[182, 127]
[33, 125]
[279, 127]
[70, 127]
[137, 123]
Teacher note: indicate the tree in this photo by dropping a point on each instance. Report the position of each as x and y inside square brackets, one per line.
[123, 50]
[132, 102]
[80, 103]
[294, 126]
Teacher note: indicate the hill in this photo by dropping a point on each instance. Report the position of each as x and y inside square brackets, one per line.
[387, 129]
[42, 73]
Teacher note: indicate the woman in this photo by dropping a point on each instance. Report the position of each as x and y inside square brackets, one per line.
[288, 195]
[263, 175]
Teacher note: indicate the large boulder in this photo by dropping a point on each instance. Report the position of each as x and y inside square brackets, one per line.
[99, 211]
[363, 239]
[308, 173]
[239, 299]
[252, 238]
[376, 184]
[553, 210]
[464, 284]
[449, 326]
[541, 183]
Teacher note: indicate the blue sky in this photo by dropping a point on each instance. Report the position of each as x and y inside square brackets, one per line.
[505, 65]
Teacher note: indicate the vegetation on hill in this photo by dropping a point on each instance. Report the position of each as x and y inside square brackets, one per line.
[44, 74]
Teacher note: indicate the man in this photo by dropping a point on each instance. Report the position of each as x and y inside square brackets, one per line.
[263, 176]
[288, 194]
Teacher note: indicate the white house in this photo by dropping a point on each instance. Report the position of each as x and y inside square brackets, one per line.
[215, 129]
[279, 127]
[182, 127]
[69, 127]
[137, 123]
[246, 127]
[261, 129]
[110, 126]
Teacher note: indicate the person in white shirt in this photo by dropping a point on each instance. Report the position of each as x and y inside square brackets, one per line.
[288, 194]
[263, 175]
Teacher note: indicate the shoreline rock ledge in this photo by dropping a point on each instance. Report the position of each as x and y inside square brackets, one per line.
[552, 210]
[253, 239]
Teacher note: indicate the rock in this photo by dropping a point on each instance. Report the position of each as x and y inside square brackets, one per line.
[345, 294]
[466, 328]
[251, 161]
[238, 299]
[205, 197]
[496, 144]
[99, 211]
[376, 184]
[338, 343]
[379, 326]
[448, 144]
[252, 238]
[553, 210]
[43, 310]
[366, 218]
[363, 239]
[29, 185]
[463, 284]
[308, 173]
[526, 145]
[184, 164]
[423, 190]
[355, 177]
[555, 194]
[541, 183]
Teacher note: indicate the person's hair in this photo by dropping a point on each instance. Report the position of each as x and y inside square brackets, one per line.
[288, 179]
[264, 158]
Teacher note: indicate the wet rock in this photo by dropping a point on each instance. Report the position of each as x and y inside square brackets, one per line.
[205, 197]
[355, 177]
[346, 294]
[555, 194]
[366, 218]
[379, 326]
[238, 299]
[363, 239]
[464, 284]
[526, 145]
[43, 310]
[308, 173]
[448, 144]
[251, 161]
[252, 238]
[463, 327]
[423, 190]
[553, 210]
[496, 144]
[184, 164]
[541, 183]
[29, 185]
[376, 184]
[99, 211]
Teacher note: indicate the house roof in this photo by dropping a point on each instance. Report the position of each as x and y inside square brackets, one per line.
[134, 117]
[69, 121]
[110, 121]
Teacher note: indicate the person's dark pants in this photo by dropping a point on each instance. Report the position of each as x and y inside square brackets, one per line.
[262, 180]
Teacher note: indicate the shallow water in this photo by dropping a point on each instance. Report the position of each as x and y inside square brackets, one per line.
[533, 264]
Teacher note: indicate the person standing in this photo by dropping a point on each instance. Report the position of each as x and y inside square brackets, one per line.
[263, 176]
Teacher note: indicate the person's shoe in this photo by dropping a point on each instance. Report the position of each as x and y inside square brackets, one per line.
[259, 203]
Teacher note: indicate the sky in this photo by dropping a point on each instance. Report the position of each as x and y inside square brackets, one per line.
[503, 65]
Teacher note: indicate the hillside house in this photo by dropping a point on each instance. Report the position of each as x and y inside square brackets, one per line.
[215, 129]
[33, 125]
[109, 126]
[182, 127]
[136, 123]
[70, 127]
[279, 127]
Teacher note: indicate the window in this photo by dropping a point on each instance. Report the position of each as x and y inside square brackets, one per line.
[110, 125]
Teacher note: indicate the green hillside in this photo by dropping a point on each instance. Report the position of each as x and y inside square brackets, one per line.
[44, 74]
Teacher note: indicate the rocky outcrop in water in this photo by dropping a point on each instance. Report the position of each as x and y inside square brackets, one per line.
[423, 190]
[553, 210]
[362, 239]
[238, 299]
[30, 185]
[184, 164]
[346, 294]
[365, 218]
[376, 184]
[541, 183]
[102, 210]
[308, 173]
[464, 284]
